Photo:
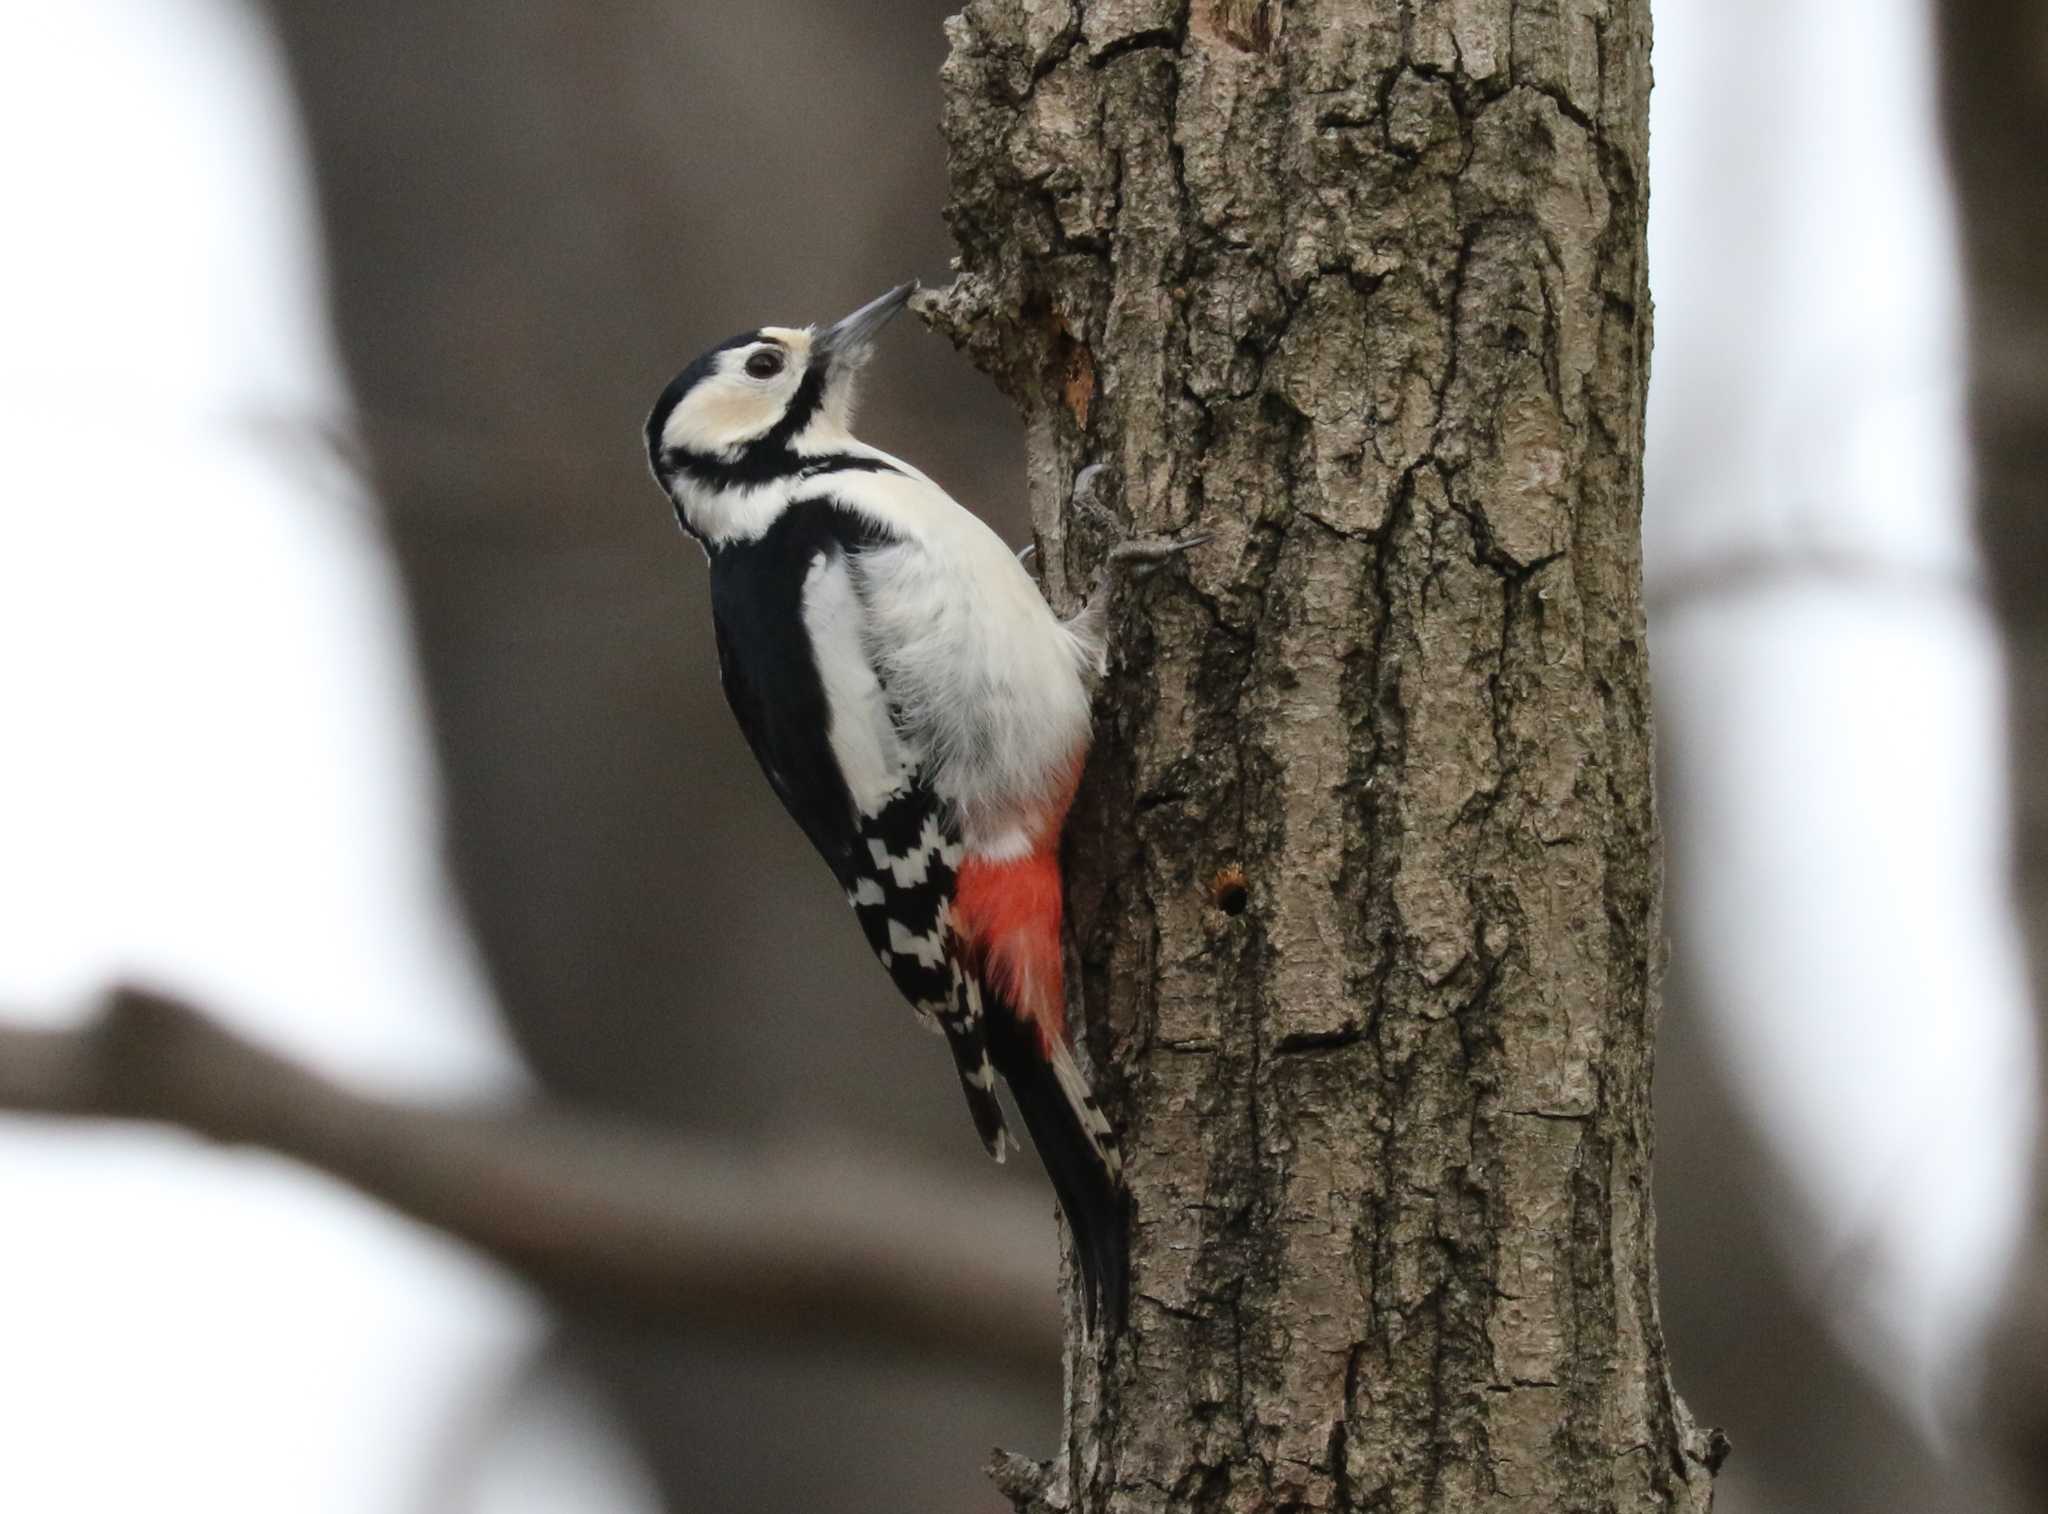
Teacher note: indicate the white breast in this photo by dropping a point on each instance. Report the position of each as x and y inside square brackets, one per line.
[987, 680]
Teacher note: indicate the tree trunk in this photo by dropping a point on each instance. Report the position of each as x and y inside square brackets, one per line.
[1364, 881]
[1995, 100]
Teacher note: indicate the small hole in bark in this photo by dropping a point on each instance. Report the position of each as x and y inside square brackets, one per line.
[1228, 890]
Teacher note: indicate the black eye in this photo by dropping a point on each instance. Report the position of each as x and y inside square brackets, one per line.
[764, 364]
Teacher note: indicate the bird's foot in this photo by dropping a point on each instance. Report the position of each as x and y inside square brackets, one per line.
[1134, 555]
[1142, 553]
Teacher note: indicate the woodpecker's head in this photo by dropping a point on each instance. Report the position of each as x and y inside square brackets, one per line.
[753, 408]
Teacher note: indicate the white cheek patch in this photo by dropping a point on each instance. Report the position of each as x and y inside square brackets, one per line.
[720, 413]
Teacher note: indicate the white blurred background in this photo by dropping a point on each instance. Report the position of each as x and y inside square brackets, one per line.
[1827, 676]
[217, 776]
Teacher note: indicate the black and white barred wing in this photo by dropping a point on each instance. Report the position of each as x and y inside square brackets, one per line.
[902, 865]
[903, 896]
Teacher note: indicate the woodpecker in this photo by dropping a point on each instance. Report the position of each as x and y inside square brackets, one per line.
[919, 710]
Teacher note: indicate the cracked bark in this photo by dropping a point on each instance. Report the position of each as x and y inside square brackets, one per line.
[1360, 289]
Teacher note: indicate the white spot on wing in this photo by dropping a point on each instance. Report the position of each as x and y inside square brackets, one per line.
[914, 866]
[927, 949]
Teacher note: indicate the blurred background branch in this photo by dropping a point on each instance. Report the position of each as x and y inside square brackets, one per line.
[1761, 569]
[792, 1244]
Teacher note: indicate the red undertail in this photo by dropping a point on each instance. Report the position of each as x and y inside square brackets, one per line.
[1008, 914]
[1007, 917]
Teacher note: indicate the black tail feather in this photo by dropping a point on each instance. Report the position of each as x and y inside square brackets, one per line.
[971, 1057]
[1091, 1196]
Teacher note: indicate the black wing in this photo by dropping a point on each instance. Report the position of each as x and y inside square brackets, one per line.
[897, 862]
[771, 676]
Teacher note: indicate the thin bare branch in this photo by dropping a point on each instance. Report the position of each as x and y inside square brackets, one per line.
[1755, 570]
[765, 1245]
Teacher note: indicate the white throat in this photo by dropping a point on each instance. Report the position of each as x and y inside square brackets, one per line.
[725, 513]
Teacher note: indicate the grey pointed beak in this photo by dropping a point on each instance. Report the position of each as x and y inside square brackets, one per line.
[851, 340]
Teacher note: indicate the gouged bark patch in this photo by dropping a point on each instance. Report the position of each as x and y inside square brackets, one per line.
[1246, 25]
[1077, 383]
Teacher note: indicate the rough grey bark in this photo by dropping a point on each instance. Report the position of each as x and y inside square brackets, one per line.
[1995, 100]
[1360, 289]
